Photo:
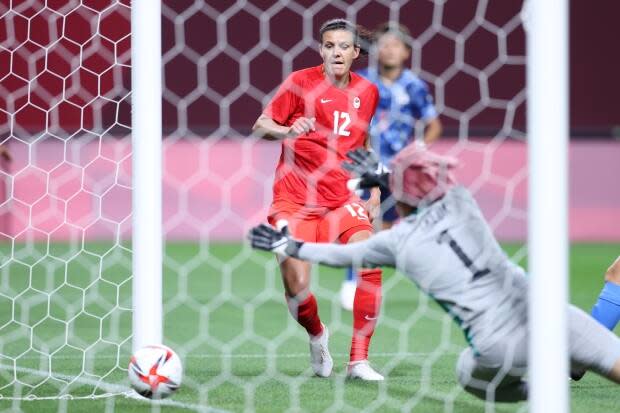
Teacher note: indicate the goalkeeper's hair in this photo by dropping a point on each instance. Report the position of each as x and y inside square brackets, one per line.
[362, 37]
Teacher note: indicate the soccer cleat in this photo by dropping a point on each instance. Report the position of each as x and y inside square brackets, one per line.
[347, 294]
[362, 370]
[576, 375]
[320, 359]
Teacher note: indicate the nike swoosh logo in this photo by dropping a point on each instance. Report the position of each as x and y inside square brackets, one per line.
[370, 318]
[325, 100]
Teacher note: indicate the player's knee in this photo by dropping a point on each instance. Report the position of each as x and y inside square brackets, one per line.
[613, 272]
[296, 287]
[296, 277]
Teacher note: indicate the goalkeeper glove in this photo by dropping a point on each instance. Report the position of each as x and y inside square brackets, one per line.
[265, 237]
[366, 166]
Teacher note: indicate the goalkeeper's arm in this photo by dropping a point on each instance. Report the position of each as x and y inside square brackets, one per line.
[372, 252]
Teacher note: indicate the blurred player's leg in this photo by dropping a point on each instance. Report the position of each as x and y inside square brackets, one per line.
[389, 216]
[347, 290]
[607, 308]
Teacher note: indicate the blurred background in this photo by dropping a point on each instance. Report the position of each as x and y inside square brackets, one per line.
[223, 59]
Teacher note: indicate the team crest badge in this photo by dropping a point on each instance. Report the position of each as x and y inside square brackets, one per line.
[356, 102]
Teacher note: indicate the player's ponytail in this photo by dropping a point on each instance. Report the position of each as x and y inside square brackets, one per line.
[362, 37]
[365, 38]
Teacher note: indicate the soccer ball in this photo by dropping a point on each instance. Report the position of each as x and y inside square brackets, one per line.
[155, 372]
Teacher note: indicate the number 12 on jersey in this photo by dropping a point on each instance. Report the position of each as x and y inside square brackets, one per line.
[340, 128]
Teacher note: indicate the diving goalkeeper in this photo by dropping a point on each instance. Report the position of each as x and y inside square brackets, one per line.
[446, 247]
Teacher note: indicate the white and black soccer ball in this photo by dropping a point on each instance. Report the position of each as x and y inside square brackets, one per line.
[155, 371]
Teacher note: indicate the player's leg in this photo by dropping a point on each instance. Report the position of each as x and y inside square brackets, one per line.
[347, 289]
[366, 306]
[303, 307]
[490, 383]
[592, 347]
[349, 285]
[301, 302]
[607, 308]
[389, 216]
[347, 224]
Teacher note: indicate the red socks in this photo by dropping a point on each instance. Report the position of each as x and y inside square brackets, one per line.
[306, 312]
[365, 311]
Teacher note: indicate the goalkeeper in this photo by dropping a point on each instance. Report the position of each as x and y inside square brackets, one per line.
[445, 246]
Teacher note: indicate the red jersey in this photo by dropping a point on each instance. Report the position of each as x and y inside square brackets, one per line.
[309, 171]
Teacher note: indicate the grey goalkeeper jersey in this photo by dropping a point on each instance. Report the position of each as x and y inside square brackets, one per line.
[449, 251]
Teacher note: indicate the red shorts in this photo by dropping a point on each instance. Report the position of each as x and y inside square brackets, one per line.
[322, 224]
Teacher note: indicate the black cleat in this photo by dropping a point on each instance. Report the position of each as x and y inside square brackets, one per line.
[577, 375]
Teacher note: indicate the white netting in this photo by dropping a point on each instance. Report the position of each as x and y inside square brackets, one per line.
[65, 251]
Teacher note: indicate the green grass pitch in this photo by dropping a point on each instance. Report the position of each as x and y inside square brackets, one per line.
[242, 351]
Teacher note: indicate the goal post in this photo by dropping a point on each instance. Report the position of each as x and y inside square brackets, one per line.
[547, 129]
[147, 241]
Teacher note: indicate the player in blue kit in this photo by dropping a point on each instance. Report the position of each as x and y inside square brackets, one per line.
[607, 309]
[404, 100]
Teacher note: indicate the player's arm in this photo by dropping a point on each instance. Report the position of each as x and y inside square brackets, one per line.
[432, 131]
[274, 122]
[372, 252]
[425, 110]
[373, 205]
[268, 128]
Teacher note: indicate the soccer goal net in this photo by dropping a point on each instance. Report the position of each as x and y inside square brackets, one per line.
[66, 211]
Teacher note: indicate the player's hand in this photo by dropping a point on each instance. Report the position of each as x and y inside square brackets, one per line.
[366, 166]
[267, 238]
[302, 125]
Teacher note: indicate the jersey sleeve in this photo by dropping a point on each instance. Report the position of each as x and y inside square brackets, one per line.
[285, 101]
[375, 94]
[422, 101]
[373, 252]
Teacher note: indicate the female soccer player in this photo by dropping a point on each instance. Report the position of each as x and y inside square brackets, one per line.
[404, 100]
[446, 247]
[320, 114]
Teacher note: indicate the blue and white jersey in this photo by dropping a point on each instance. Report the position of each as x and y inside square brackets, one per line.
[400, 105]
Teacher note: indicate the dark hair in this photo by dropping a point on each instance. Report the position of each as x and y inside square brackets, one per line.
[362, 37]
[397, 29]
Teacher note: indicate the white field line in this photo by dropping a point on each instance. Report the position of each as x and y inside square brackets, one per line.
[113, 390]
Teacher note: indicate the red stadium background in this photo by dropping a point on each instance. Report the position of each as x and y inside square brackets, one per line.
[65, 83]
[89, 50]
